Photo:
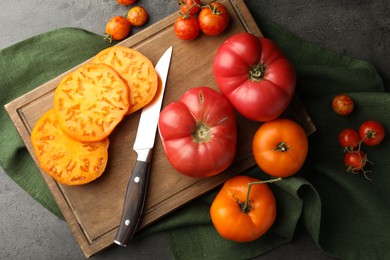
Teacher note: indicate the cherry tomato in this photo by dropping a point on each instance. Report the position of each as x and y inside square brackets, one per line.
[280, 147]
[117, 28]
[371, 132]
[186, 27]
[349, 138]
[240, 222]
[213, 19]
[137, 16]
[255, 75]
[343, 104]
[190, 6]
[355, 161]
[126, 2]
[199, 133]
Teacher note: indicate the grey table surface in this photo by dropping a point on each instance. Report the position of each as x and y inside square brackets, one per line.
[360, 29]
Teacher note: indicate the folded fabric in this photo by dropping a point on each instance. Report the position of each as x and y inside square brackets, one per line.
[346, 215]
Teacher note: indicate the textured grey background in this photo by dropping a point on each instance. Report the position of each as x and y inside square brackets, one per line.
[360, 29]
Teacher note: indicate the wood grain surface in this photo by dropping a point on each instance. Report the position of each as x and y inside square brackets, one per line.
[93, 211]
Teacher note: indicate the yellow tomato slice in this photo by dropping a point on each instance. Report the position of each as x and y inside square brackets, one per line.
[68, 161]
[136, 69]
[90, 102]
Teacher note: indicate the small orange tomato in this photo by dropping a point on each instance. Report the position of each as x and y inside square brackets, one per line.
[117, 28]
[343, 104]
[240, 218]
[280, 147]
[213, 19]
[126, 2]
[137, 16]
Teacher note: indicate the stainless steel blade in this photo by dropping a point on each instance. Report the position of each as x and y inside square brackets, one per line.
[147, 127]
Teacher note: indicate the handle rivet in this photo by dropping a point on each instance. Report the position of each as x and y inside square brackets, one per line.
[137, 179]
[127, 222]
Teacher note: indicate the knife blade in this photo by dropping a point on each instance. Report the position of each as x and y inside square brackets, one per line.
[143, 146]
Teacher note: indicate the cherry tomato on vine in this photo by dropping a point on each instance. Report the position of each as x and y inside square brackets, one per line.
[213, 19]
[117, 28]
[190, 6]
[349, 138]
[355, 161]
[280, 147]
[126, 2]
[137, 16]
[343, 104]
[186, 27]
[240, 218]
[371, 132]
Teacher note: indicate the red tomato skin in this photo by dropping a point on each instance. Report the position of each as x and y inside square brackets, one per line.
[126, 2]
[118, 27]
[199, 106]
[213, 23]
[355, 161]
[186, 28]
[371, 132]
[343, 104]
[265, 98]
[348, 137]
[230, 222]
[185, 6]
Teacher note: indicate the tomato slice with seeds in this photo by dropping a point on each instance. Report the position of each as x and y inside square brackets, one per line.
[90, 102]
[68, 161]
[137, 71]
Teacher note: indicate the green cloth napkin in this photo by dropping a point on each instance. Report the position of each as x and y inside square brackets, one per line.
[346, 215]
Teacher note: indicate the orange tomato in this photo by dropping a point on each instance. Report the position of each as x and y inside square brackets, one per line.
[68, 161]
[137, 16]
[233, 219]
[90, 102]
[136, 70]
[280, 147]
[126, 2]
[117, 28]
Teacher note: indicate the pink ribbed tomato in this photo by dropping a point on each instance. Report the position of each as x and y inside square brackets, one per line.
[256, 77]
[199, 132]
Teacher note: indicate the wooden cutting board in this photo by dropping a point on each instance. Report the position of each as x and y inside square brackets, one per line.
[93, 211]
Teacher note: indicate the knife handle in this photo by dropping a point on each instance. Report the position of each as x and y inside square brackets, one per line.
[134, 202]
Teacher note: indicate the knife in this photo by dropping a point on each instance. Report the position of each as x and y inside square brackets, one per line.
[143, 146]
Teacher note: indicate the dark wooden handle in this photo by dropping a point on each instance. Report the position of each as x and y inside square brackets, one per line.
[134, 202]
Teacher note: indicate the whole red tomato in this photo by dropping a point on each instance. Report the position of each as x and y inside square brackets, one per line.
[343, 104]
[189, 7]
[355, 161]
[349, 138]
[280, 147]
[213, 19]
[186, 27]
[117, 28]
[199, 133]
[239, 218]
[137, 16]
[371, 132]
[255, 76]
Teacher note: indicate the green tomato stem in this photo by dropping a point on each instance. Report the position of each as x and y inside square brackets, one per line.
[256, 73]
[245, 208]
